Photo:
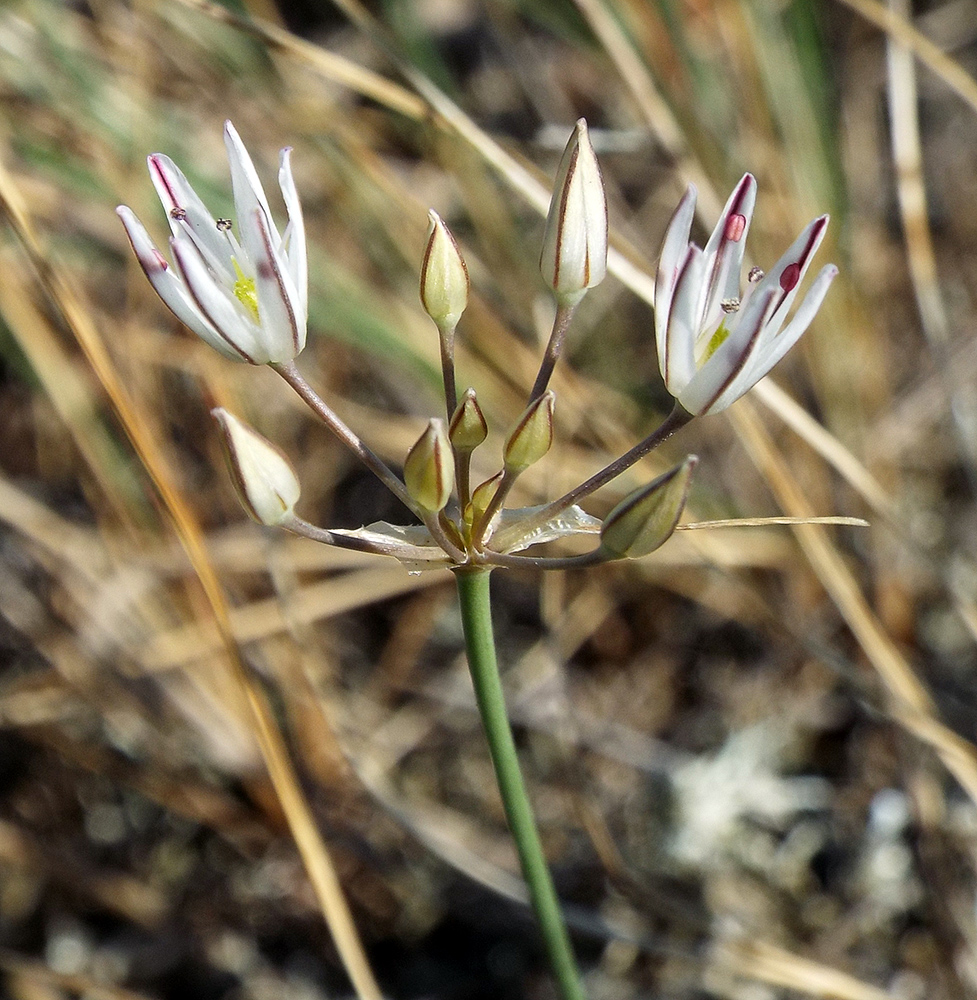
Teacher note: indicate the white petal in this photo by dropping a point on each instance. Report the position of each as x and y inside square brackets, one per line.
[185, 211]
[772, 350]
[708, 392]
[726, 247]
[248, 192]
[280, 315]
[793, 266]
[236, 332]
[298, 266]
[676, 355]
[673, 253]
[168, 285]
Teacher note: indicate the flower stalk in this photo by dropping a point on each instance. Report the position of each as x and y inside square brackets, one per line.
[474, 599]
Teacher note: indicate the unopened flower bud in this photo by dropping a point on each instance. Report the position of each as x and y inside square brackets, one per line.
[532, 436]
[444, 276]
[574, 256]
[643, 521]
[482, 497]
[429, 472]
[264, 479]
[468, 428]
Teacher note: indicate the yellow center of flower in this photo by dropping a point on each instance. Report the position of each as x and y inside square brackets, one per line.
[245, 291]
[715, 341]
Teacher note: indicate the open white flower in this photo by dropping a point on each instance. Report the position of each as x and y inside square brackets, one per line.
[714, 343]
[245, 295]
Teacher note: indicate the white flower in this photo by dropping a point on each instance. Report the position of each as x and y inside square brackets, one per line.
[574, 256]
[714, 343]
[246, 295]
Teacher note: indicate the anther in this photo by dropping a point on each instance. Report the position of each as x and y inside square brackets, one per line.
[178, 213]
[790, 276]
[224, 225]
[755, 275]
[735, 227]
[729, 305]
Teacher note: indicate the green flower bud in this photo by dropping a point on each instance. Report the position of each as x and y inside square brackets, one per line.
[468, 428]
[643, 521]
[532, 436]
[574, 256]
[482, 497]
[444, 276]
[265, 482]
[429, 471]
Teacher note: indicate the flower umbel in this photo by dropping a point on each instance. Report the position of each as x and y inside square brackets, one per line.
[714, 342]
[245, 295]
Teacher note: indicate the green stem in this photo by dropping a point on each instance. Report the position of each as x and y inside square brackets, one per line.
[473, 595]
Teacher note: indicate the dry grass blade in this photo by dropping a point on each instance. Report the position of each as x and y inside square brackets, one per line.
[907, 155]
[947, 69]
[827, 446]
[262, 619]
[770, 964]
[653, 107]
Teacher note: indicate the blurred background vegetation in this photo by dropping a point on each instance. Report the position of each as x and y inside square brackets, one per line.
[751, 753]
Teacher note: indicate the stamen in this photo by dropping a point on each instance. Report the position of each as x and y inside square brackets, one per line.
[224, 225]
[755, 275]
[729, 305]
[179, 214]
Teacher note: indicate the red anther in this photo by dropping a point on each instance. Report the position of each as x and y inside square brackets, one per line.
[791, 275]
[735, 227]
